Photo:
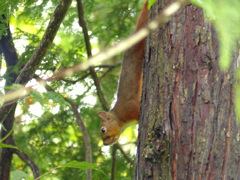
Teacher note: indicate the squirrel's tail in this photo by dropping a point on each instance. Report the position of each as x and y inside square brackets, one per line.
[143, 17]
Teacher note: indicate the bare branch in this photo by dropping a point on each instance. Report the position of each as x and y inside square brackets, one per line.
[110, 69]
[113, 167]
[75, 81]
[88, 147]
[83, 24]
[108, 65]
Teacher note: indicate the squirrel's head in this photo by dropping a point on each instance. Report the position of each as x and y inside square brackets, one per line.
[110, 129]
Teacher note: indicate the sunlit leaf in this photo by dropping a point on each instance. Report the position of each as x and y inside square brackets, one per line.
[1, 103]
[55, 97]
[80, 165]
[237, 95]
[38, 97]
[7, 146]
[18, 175]
[13, 87]
[150, 3]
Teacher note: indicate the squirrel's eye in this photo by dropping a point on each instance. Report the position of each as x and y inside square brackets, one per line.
[103, 130]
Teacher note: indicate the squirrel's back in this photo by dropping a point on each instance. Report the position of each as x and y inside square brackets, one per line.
[130, 84]
[127, 108]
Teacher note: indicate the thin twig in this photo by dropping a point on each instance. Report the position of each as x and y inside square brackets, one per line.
[47, 172]
[108, 65]
[124, 154]
[77, 80]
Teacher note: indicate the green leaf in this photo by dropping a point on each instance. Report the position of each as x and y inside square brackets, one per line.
[198, 3]
[1, 103]
[13, 87]
[150, 3]
[3, 127]
[18, 175]
[237, 95]
[38, 97]
[55, 97]
[58, 66]
[80, 165]
[8, 146]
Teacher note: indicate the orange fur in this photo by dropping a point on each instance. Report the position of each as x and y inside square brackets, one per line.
[127, 107]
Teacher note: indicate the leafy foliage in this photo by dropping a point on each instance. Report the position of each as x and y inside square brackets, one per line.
[45, 127]
[81, 165]
[6, 10]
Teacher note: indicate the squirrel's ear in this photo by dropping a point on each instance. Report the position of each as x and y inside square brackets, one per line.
[102, 115]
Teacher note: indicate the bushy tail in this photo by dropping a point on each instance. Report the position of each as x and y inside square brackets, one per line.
[143, 17]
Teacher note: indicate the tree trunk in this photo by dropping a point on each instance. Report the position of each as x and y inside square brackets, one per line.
[6, 153]
[10, 54]
[187, 125]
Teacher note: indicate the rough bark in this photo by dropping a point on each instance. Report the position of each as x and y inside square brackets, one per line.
[187, 126]
[11, 58]
[6, 153]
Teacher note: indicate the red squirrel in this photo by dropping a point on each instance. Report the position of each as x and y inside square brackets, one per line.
[127, 108]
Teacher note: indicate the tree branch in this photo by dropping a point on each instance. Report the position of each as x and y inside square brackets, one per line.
[88, 147]
[123, 45]
[114, 164]
[110, 69]
[83, 24]
[15, 98]
[110, 66]
[29, 69]
[104, 55]
[10, 54]
[124, 154]
[75, 81]
[87, 142]
[25, 158]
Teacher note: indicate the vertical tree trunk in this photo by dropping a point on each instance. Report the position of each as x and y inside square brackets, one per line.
[6, 153]
[187, 124]
[11, 57]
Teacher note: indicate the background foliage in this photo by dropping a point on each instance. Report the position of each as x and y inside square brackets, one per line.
[45, 126]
